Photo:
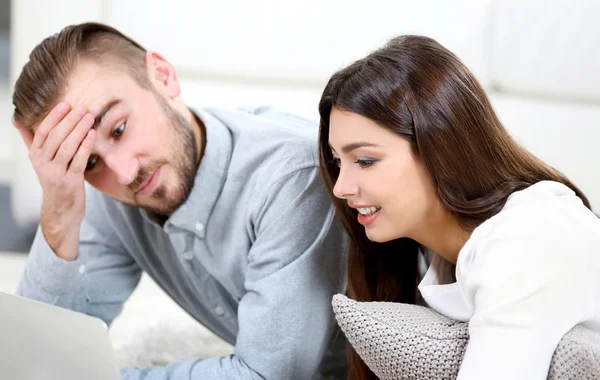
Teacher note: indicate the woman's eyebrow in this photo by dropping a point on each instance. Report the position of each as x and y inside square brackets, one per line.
[350, 147]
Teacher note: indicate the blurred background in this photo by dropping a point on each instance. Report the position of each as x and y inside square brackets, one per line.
[13, 236]
[538, 60]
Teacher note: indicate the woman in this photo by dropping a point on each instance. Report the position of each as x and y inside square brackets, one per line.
[418, 162]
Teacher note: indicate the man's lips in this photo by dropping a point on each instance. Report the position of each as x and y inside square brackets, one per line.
[149, 183]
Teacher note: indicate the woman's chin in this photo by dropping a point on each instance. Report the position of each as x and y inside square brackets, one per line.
[379, 236]
[373, 236]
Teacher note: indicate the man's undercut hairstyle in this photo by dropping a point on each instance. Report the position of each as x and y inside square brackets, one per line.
[44, 78]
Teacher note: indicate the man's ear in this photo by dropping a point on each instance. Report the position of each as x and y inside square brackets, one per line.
[162, 74]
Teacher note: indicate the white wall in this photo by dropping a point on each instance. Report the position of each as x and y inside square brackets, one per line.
[296, 42]
[6, 135]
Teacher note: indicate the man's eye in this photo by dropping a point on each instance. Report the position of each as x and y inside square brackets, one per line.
[91, 163]
[119, 130]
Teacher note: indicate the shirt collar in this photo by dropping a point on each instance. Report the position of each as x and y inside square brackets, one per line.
[194, 213]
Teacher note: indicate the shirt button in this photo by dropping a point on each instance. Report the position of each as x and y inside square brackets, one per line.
[188, 255]
[199, 227]
[219, 311]
[82, 269]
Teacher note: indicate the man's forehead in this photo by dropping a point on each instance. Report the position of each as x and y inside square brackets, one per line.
[92, 86]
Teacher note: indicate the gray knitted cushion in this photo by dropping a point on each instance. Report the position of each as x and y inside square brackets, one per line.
[400, 341]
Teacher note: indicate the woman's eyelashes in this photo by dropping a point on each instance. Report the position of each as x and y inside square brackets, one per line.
[335, 161]
[362, 162]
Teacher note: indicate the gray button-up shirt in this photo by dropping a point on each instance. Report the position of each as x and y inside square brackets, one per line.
[255, 253]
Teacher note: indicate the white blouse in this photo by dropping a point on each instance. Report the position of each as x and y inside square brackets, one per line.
[524, 278]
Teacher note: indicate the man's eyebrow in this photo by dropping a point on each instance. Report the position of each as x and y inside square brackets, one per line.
[104, 111]
[350, 147]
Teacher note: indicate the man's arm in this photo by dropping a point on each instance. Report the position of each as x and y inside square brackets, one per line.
[295, 266]
[97, 282]
[76, 260]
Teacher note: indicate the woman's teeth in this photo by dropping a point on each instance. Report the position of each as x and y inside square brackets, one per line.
[368, 210]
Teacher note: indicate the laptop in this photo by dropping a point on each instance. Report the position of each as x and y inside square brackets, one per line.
[45, 342]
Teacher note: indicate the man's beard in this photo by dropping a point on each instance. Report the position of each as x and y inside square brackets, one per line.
[183, 161]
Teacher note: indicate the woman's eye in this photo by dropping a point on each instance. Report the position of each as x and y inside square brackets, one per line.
[365, 162]
[335, 161]
[119, 130]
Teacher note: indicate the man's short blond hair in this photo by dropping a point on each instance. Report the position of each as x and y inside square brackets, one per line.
[44, 78]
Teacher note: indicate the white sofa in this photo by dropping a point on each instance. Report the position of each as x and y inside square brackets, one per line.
[538, 59]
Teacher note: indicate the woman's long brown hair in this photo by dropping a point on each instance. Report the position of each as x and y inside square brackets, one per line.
[416, 88]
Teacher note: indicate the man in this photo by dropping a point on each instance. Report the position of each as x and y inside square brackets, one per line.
[224, 209]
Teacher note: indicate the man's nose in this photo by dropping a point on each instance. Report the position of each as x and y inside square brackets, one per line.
[125, 168]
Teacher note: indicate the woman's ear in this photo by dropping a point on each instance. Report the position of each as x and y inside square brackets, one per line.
[162, 74]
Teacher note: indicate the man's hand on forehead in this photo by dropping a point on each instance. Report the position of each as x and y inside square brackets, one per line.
[59, 151]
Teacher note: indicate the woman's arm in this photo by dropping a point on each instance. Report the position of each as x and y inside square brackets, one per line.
[527, 289]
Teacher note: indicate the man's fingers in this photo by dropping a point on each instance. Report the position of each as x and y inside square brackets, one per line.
[80, 160]
[71, 143]
[59, 133]
[27, 136]
[52, 120]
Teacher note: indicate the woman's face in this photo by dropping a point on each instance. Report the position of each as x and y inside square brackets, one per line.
[381, 177]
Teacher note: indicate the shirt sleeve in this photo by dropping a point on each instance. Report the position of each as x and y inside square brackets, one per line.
[295, 266]
[97, 283]
[527, 291]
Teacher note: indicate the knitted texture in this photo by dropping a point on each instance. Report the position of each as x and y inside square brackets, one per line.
[577, 356]
[401, 342]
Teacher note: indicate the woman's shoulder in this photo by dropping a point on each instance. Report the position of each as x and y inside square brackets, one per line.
[542, 209]
[546, 241]
[545, 222]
